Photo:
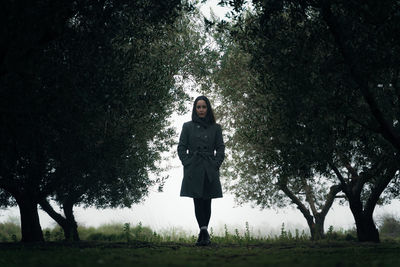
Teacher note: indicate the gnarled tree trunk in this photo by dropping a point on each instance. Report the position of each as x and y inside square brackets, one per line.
[30, 225]
[366, 229]
[67, 223]
[362, 212]
[317, 228]
[316, 222]
[71, 223]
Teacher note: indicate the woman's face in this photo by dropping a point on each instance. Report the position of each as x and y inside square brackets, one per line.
[201, 108]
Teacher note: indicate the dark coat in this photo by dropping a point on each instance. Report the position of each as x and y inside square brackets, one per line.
[196, 148]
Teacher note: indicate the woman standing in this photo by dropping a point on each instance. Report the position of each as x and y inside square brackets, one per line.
[201, 150]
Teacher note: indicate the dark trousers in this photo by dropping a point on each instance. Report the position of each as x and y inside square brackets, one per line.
[202, 208]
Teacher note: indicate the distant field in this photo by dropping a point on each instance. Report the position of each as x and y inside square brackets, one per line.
[139, 253]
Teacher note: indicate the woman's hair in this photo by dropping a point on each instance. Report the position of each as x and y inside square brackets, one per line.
[210, 118]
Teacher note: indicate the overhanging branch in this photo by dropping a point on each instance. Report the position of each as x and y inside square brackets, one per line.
[386, 129]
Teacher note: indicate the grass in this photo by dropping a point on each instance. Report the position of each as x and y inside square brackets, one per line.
[138, 253]
[118, 232]
[126, 245]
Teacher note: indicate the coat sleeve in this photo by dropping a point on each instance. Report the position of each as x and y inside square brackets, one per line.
[219, 147]
[183, 146]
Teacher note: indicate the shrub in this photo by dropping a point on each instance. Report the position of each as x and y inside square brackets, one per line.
[341, 235]
[142, 233]
[105, 232]
[10, 232]
[389, 226]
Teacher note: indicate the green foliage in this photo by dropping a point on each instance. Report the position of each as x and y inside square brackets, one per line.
[86, 99]
[270, 165]
[312, 109]
[9, 231]
[247, 234]
[117, 232]
[79, 96]
[55, 234]
[341, 235]
[284, 234]
[127, 232]
[389, 227]
[6, 200]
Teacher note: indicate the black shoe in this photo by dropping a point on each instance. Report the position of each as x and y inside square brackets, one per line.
[204, 238]
[200, 238]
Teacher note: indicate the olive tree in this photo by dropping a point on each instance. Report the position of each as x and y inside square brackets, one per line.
[86, 89]
[298, 117]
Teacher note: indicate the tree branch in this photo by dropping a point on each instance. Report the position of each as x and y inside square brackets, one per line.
[333, 191]
[365, 126]
[309, 197]
[341, 179]
[379, 187]
[357, 182]
[296, 200]
[386, 129]
[352, 171]
[45, 205]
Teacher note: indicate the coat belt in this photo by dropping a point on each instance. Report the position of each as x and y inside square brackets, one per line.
[203, 154]
[206, 155]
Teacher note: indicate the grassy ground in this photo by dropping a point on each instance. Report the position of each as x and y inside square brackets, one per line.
[126, 245]
[139, 253]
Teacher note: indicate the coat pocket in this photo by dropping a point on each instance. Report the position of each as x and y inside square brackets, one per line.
[214, 163]
[187, 161]
[187, 170]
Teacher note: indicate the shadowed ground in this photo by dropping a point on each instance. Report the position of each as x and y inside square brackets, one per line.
[177, 254]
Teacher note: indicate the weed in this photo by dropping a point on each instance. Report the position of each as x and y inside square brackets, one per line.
[226, 232]
[389, 227]
[59, 234]
[118, 232]
[247, 235]
[283, 235]
[127, 232]
[47, 235]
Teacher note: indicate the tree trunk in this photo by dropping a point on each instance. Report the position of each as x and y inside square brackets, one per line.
[71, 223]
[30, 225]
[319, 228]
[366, 229]
[61, 221]
[316, 227]
[316, 224]
[68, 224]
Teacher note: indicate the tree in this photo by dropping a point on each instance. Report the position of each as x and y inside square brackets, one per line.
[365, 35]
[109, 179]
[301, 111]
[267, 167]
[84, 107]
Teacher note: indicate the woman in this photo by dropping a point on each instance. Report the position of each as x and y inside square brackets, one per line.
[201, 150]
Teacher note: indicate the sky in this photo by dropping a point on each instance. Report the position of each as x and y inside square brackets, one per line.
[168, 211]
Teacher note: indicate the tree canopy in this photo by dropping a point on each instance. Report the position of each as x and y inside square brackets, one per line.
[308, 118]
[87, 88]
